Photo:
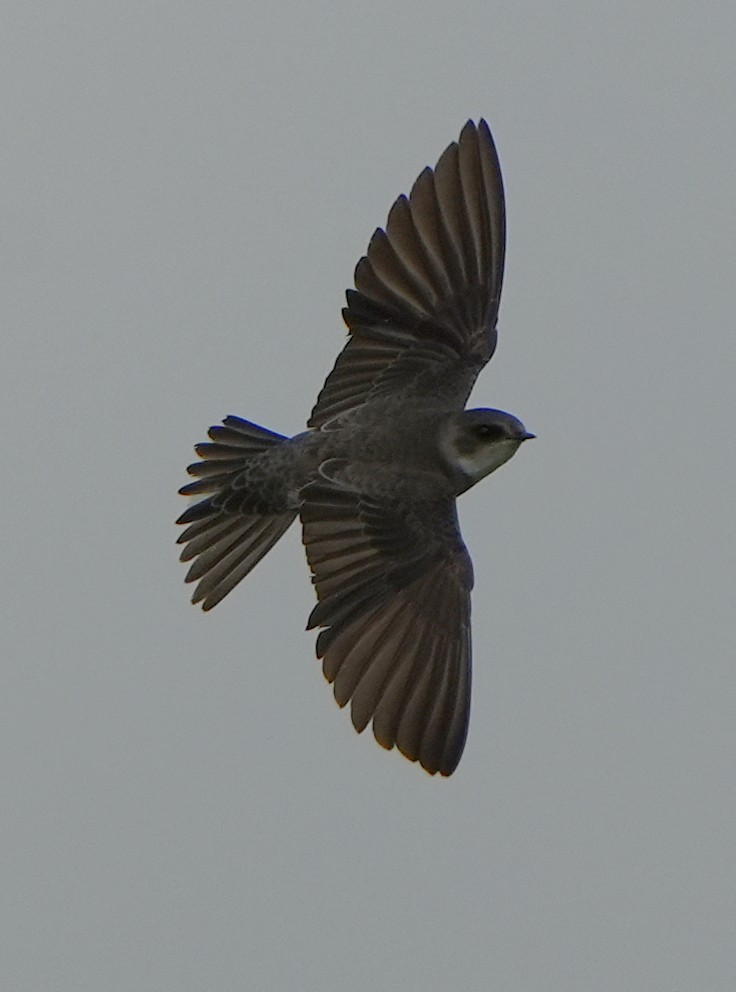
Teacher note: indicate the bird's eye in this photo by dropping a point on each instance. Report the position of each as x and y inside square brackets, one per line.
[488, 432]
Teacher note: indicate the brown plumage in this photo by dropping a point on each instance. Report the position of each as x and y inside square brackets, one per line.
[375, 477]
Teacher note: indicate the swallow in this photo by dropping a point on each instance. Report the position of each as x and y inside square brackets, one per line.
[388, 448]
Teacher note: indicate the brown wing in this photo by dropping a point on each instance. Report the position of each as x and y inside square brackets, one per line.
[422, 317]
[393, 580]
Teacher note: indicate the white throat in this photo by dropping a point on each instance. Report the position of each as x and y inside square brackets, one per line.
[485, 459]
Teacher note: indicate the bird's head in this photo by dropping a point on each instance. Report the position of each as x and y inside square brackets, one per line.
[475, 443]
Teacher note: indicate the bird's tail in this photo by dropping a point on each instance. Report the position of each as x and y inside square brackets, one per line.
[227, 535]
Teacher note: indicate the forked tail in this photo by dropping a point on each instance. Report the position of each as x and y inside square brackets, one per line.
[231, 529]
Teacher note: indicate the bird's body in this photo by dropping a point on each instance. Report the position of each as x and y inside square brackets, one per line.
[375, 476]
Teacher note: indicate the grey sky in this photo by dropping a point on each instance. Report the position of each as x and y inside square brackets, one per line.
[185, 191]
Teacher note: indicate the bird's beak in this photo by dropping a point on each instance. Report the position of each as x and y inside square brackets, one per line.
[526, 436]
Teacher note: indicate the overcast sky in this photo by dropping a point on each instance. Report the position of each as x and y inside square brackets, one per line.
[185, 191]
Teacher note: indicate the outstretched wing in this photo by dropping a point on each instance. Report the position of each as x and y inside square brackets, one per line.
[422, 316]
[393, 580]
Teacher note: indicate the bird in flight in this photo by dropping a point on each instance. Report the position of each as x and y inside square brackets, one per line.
[374, 478]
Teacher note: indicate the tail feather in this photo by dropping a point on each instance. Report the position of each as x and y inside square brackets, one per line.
[203, 534]
[218, 466]
[226, 537]
[241, 435]
[231, 563]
